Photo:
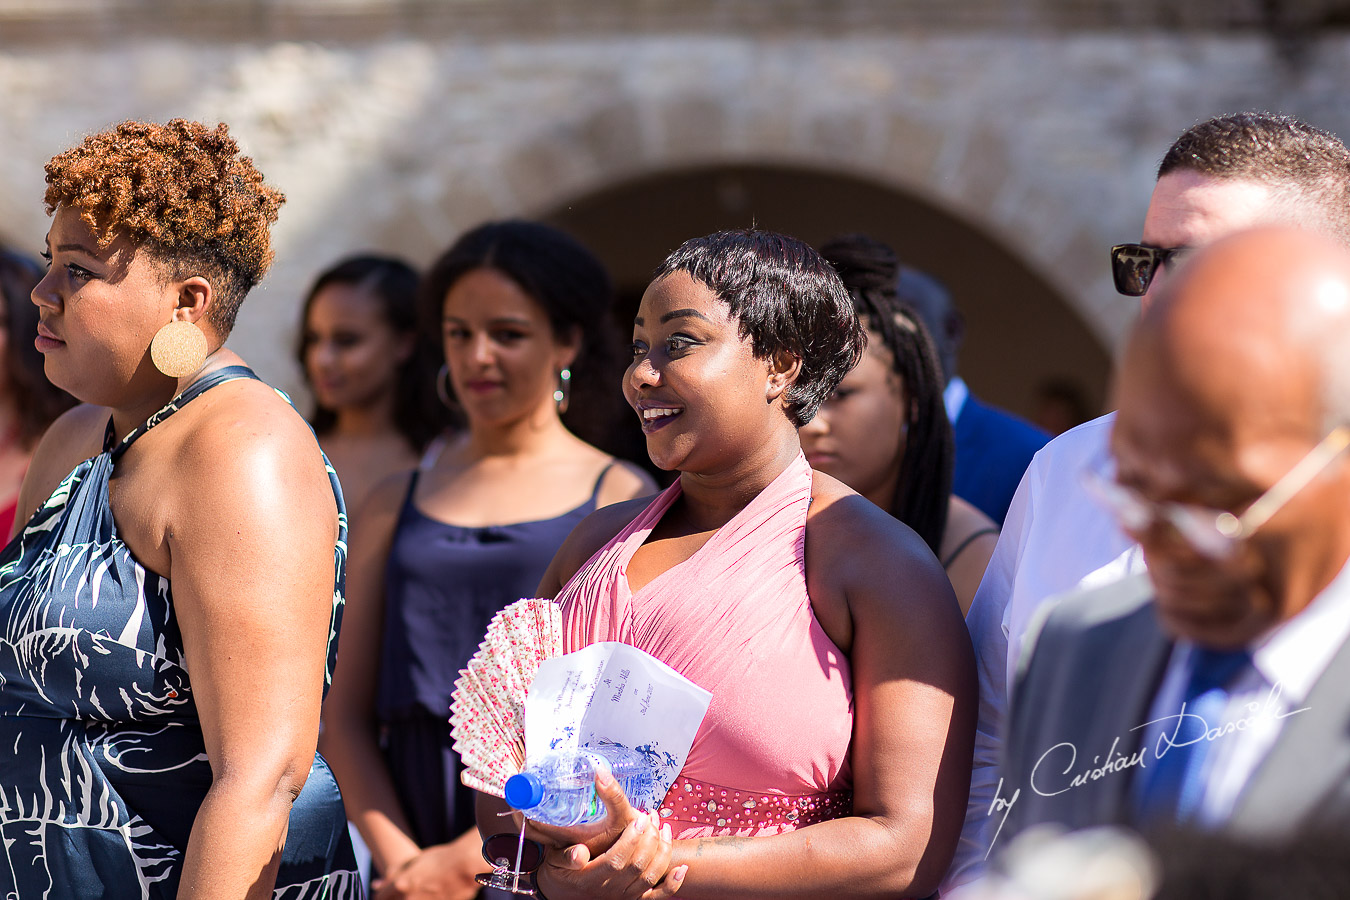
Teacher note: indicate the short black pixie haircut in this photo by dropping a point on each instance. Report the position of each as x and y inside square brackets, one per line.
[786, 299]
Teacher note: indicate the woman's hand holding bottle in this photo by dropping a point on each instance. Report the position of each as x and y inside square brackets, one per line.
[625, 855]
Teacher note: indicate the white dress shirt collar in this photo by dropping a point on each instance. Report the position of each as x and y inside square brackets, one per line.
[1294, 654]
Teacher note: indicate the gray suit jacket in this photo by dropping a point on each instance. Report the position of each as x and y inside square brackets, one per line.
[1090, 678]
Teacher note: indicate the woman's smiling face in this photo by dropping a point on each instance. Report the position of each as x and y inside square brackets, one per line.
[703, 397]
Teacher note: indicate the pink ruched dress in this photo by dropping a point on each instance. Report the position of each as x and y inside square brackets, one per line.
[772, 753]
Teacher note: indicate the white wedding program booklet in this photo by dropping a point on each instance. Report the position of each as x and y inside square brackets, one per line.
[613, 693]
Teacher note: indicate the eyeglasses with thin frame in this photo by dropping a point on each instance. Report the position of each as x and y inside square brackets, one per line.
[1215, 533]
[1134, 265]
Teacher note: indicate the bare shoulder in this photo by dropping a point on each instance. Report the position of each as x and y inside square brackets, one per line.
[864, 566]
[375, 520]
[618, 479]
[386, 497]
[964, 519]
[842, 525]
[591, 533]
[241, 449]
[249, 421]
[623, 481]
[74, 437]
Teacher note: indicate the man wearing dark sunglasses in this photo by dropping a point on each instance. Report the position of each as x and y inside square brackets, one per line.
[1220, 176]
[1134, 265]
[1210, 695]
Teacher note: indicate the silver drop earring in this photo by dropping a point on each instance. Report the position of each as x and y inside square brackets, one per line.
[563, 395]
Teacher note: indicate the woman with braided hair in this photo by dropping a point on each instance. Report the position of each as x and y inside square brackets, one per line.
[170, 608]
[885, 431]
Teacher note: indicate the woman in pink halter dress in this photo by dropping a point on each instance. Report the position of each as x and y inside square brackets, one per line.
[834, 759]
[772, 752]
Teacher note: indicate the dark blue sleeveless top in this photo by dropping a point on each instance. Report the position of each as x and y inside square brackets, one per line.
[105, 763]
[443, 583]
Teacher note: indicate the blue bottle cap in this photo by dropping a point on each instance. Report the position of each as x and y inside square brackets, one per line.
[524, 791]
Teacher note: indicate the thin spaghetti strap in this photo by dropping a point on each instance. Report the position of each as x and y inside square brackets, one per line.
[595, 491]
[969, 539]
[194, 390]
[412, 486]
[435, 447]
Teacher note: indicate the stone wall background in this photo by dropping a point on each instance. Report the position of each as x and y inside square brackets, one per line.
[395, 125]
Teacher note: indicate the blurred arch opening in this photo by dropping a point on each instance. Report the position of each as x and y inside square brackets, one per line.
[1020, 331]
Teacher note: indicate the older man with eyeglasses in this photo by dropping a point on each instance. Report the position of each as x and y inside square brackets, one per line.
[1210, 693]
[1218, 177]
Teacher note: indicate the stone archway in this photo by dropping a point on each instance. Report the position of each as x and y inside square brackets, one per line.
[1025, 260]
[996, 180]
[1020, 331]
[537, 127]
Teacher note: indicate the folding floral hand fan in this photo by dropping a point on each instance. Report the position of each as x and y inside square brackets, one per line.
[487, 710]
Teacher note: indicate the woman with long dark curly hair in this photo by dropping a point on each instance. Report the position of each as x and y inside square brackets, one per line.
[436, 553]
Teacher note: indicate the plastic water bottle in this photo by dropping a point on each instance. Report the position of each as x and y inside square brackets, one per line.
[560, 788]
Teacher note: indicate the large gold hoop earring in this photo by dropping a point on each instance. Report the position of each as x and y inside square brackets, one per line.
[443, 390]
[563, 395]
[178, 349]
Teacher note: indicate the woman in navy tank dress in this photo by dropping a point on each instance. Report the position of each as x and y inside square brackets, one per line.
[437, 553]
[170, 610]
[433, 622]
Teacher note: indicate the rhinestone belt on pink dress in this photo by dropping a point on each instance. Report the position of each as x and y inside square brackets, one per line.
[701, 803]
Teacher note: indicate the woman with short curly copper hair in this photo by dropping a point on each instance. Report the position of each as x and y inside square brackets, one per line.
[176, 594]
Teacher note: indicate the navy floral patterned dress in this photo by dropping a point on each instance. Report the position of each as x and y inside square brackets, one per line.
[104, 762]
